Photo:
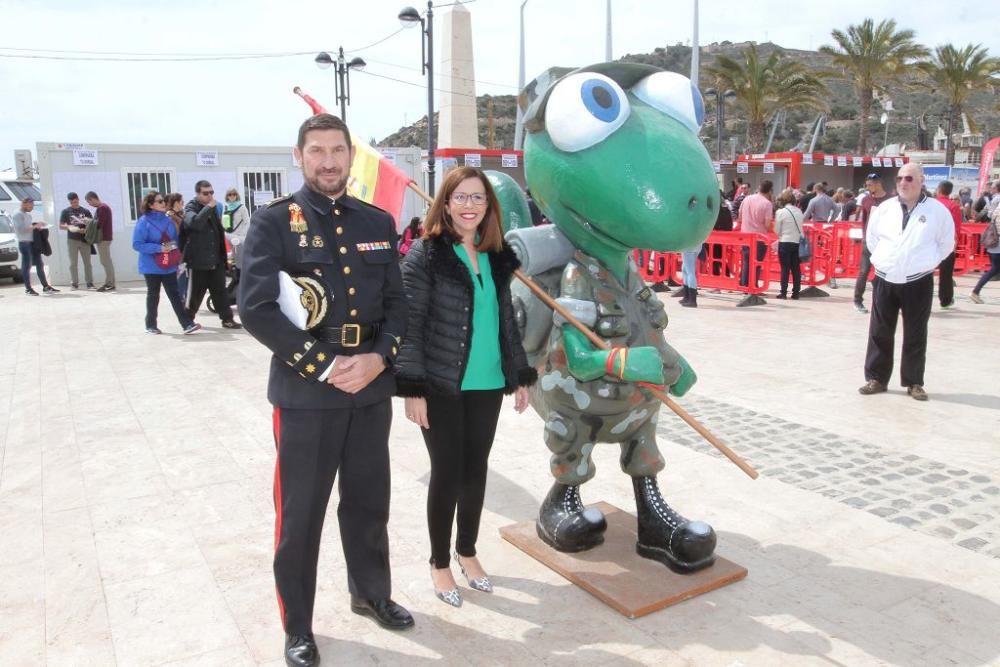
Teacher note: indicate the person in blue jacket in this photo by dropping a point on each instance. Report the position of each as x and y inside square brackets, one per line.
[154, 236]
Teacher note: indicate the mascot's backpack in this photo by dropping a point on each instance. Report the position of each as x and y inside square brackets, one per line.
[544, 253]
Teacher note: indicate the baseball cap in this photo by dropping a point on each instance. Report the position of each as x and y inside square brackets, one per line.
[873, 177]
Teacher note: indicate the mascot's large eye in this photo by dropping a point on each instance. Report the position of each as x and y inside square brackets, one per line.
[673, 94]
[583, 109]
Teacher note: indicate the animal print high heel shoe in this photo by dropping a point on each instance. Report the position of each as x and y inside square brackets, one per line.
[479, 583]
[452, 597]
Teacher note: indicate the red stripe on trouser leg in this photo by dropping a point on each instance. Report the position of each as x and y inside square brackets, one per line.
[276, 420]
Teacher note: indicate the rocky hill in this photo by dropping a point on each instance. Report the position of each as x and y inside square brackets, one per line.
[841, 128]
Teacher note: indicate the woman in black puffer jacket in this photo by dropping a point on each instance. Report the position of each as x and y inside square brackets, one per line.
[461, 353]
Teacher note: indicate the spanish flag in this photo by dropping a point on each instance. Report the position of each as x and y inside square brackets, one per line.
[374, 179]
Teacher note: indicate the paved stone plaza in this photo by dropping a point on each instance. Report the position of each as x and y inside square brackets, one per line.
[135, 501]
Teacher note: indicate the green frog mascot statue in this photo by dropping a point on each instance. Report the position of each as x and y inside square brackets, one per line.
[612, 158]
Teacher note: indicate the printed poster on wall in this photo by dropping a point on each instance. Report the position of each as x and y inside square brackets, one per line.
[508, 160]
[827, 160]
[473, 160]
[899, 162]
[858, 161]
[85, 158]
[807, 158]
[207, 158]
[742, 167]
[876, 162]
[841, 160]
[768, 167]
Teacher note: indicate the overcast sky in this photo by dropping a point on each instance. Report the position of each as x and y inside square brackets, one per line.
[249, 101]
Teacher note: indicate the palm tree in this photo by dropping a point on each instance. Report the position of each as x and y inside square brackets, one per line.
[956, 74]
[764, 87]
[875, 57]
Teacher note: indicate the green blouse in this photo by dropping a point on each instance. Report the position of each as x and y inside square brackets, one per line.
[484, 369]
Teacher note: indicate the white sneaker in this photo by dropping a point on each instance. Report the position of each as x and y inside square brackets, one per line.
[974, 298]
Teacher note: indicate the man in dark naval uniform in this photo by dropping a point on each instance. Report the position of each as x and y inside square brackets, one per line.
[329, 381]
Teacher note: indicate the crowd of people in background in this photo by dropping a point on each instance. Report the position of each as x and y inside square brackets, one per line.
[818, 202]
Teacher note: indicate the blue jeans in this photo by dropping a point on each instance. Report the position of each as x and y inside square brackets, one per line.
[30, 255]
[993, 271]
[689, 268]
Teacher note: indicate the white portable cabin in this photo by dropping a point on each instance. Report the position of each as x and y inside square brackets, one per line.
[121, 173]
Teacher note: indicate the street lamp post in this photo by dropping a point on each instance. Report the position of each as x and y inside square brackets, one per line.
[342, 81]
[720, 115]
[410, 16]
[519, 122]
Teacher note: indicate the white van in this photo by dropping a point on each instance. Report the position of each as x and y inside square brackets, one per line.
[12, 192]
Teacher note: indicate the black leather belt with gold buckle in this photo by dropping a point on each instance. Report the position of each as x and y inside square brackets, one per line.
[347, 335]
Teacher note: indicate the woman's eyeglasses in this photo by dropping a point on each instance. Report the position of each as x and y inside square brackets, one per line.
[461, 198]
[157, 201]
[908, 179]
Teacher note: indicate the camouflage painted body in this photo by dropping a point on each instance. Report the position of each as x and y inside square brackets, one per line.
[578, 415]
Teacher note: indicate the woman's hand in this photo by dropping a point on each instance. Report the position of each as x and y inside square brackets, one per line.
[521, 399]
[416, 411]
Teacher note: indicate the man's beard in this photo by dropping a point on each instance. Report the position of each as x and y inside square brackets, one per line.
[335, 190]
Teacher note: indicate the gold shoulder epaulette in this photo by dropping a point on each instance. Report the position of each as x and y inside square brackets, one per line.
[277, 200]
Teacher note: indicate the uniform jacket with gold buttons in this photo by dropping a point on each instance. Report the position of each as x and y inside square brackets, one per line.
[350, 248]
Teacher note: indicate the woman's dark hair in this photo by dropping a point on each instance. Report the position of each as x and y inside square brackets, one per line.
[439, 223]
[414, 224]
[147, 201]
[172, 199]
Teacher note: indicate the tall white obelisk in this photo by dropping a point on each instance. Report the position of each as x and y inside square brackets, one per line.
[458, 124]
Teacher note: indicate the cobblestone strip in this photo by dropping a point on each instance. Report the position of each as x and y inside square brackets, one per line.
[922, 494]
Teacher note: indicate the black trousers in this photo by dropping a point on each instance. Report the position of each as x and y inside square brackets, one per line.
[888, 301]
[946, 286]
[864, 269]
[312, 446]
[459, 441]
[761, 252]
[214, 281]
[169, 283]
[788, 256]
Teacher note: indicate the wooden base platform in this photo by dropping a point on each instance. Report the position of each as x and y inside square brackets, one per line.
[615, 574]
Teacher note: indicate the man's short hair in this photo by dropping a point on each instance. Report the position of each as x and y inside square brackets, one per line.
[70, 196]
[322, 121]
[92, 195]
[945, 187]
[873, 177]
[200, 185]
[766, 187]
[27, 200]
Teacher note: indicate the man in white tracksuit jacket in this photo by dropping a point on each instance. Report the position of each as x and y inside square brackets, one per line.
[908, 236]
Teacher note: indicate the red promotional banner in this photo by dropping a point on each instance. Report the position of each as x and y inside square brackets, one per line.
[989, 151]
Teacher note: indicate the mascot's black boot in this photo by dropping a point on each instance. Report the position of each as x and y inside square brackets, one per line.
[565, 525]
[664, 535]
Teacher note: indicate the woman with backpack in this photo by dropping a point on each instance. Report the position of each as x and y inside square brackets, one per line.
[992, 242]
[155, 239]
[239, 225]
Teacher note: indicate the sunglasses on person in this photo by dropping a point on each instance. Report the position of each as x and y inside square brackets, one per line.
[908, 179]
[206, 193]
[477, 199]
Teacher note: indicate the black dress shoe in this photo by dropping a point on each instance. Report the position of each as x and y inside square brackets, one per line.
[386, 613]
[301, 651]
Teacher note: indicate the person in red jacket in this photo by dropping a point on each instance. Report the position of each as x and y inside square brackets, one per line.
[946, 286]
